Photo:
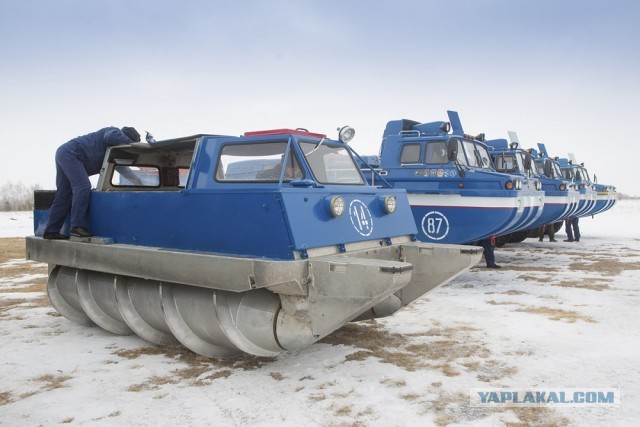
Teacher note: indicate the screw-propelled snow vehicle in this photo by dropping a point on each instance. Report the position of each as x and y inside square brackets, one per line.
[561, 199]
[260, 243]
[606, 195]
[456, 196]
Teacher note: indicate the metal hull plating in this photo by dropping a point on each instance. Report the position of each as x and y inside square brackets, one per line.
[557, 208]
[587, 203]
[604, 201]
[255, 306]
[271, 223]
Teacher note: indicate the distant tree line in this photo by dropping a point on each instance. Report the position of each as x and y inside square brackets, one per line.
[16, 196]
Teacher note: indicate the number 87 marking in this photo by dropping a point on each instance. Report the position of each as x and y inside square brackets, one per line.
[435, 225]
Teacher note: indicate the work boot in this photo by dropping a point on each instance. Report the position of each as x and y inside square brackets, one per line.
[494, 266]
[568, 240]
[51, 235]
[80, 232]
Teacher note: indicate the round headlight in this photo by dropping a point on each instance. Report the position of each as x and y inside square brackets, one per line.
[508, 185]
[346, 134]
[388, 204]
[336, 206]
[562, 187]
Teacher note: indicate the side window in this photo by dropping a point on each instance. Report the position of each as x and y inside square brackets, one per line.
[411, 153]
[437, 153]
[257, 162]
[136, 176]
[505, 163]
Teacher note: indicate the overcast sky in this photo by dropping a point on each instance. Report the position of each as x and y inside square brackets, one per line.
[566, 73]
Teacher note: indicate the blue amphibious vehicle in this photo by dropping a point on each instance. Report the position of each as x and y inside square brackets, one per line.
[456, 195]
[261, 243]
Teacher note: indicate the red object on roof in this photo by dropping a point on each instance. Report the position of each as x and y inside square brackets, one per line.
[284, 132]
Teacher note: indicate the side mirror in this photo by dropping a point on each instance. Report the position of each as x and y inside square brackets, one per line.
[452, 150]
[595, 178]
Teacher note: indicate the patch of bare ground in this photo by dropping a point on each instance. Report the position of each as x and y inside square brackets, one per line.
[450, 350]
[509, 292]
[277, 376]
[607, 267]
[493, 302]
[48, 382]
[456, 408]
[34, 286]
[543, 417]
[5, 397]
[586, 283]
[153, 383]
[52, 382]
[532, 278]
[536, 268]
[200, 370]
[7, 304]
[111, 415]
[12, 248]
[568, 316]
[393, 383]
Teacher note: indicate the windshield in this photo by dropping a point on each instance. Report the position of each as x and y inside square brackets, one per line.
[485, 159]
[557, 173]
[471, 154]
[521, 162]
[567, 173]
[478, 155]
[460, 157]
[331, 163]
[585, 175]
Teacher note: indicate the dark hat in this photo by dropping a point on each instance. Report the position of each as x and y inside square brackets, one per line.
[131, 133]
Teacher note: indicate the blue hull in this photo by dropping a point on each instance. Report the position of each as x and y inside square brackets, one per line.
[455, 219]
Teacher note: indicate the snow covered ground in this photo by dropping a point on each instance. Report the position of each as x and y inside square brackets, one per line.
[558, 315]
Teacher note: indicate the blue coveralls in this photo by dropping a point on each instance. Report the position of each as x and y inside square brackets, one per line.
[76, 161]
[572, 235]
[489, 256]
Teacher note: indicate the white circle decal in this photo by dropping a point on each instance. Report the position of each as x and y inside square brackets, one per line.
[435, 225]
[361, 217]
